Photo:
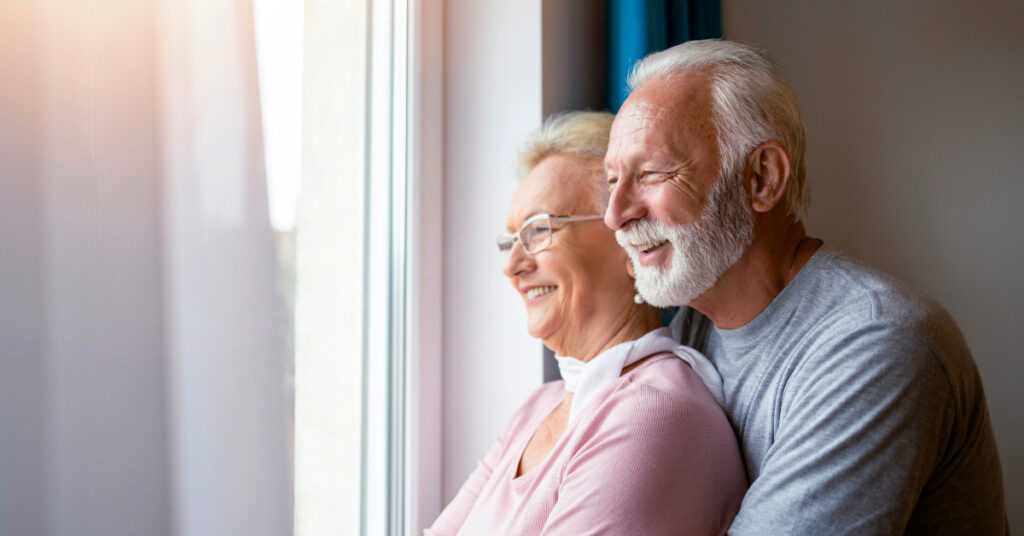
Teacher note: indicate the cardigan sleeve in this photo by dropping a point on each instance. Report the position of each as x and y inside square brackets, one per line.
[454, 515]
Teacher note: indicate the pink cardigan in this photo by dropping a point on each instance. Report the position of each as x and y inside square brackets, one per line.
[652, 453]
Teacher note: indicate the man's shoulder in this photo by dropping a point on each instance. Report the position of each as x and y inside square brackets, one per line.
[858, 322]
[849, 284]
[834, 286]
[858, 298]
[842, 314]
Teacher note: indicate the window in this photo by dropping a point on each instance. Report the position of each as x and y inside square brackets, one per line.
[354, 199]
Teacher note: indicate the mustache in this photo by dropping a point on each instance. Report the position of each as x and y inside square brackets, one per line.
[641, 232]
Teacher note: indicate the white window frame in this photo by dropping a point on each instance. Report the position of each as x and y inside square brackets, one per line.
[425, 276]
[402, 354]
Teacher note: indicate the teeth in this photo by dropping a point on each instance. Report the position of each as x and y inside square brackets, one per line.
[650, 246]
[537, 291]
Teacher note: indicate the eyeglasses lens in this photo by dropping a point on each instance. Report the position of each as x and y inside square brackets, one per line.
[537, 235]
[505, 243]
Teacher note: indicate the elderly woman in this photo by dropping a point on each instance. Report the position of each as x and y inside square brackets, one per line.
[632, 440]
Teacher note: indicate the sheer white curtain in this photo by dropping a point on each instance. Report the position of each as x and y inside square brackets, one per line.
[141, 357]
[229, 462]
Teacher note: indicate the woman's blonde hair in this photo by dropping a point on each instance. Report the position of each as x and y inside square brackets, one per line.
[579, 133]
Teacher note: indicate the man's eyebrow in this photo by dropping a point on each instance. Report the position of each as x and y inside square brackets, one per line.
[621, 159]
[627, 161]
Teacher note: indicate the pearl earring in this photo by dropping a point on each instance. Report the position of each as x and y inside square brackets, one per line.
[638, 299]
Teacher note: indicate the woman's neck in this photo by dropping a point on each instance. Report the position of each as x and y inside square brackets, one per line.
[589, 341]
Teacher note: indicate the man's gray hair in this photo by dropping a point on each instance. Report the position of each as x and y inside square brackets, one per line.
[751, 104]
[582, 134]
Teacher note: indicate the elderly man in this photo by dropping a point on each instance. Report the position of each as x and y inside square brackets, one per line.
[856, 400]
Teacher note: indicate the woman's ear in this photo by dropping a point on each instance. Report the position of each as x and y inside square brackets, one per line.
[768, 175]
[629, 267]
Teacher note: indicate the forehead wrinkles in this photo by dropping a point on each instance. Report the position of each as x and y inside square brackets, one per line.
[643, 134]
[647, 114]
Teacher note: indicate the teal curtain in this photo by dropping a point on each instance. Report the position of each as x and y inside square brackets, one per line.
[638, 27]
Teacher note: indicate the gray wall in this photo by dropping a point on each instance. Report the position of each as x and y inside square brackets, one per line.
[916, 125]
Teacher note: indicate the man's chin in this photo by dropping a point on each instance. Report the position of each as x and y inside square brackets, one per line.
[657, 291]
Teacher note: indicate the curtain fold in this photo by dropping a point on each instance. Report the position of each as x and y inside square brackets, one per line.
[226, 359]
[638, 27]
[141, 370]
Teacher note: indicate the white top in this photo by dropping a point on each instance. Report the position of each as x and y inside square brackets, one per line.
[585, 378]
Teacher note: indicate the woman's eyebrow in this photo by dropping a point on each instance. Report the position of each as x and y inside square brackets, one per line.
[532, 213]
[536, 212]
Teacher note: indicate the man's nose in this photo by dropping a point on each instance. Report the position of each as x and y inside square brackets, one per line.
[624, 206]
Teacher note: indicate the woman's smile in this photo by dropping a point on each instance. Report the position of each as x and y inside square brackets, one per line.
[536, 293]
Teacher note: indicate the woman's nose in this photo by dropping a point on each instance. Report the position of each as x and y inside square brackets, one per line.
[517, 261]
[624, 206]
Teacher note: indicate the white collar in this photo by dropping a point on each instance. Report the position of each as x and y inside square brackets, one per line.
[585, 379]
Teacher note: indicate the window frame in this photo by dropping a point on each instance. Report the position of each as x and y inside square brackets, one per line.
[401, 466]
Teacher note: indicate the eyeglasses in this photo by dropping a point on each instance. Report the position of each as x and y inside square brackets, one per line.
[535, 234]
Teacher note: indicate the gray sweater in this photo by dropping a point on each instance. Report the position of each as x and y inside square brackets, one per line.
[858, 407]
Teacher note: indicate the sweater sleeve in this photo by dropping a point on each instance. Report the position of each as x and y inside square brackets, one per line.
[454, 515]
[652, 463]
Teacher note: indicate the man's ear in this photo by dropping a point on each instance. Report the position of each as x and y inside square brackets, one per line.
[767, 175]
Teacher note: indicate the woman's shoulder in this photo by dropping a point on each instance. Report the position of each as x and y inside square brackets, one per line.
[663, 399]
[662, 387]
[661, 402]
[667, 378]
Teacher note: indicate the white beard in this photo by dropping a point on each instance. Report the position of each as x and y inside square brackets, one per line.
[701, 251]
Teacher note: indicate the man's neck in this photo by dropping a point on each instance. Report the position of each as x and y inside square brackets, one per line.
[750, 285]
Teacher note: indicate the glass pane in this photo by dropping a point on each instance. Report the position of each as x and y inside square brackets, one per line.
[312, 61]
